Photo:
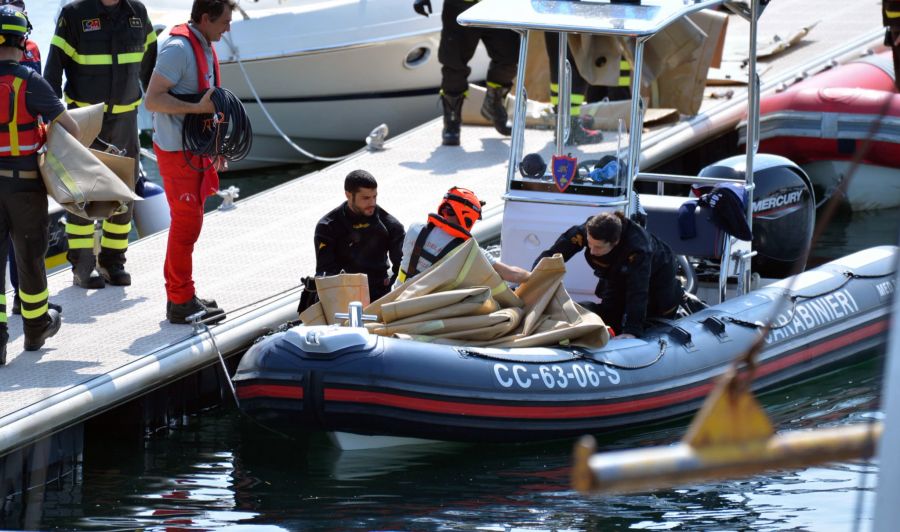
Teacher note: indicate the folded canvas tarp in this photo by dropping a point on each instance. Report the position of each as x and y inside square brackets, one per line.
[86, 182]
[462, 301]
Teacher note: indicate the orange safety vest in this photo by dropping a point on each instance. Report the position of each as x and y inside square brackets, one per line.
[182, 30]
[20, 131]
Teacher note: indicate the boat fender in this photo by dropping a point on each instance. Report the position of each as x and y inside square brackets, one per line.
[152, 214]
[329, 341]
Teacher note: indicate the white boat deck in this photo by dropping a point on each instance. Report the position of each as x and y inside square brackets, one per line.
[116, 344]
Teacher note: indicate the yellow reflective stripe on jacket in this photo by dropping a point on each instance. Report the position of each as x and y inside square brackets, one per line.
[401, 276]
[131, 57]
[151, 38]
[81, 59]
[14, 123]
[3, 302]
[116, 109]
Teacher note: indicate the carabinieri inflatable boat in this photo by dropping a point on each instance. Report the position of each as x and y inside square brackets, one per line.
[342, 379]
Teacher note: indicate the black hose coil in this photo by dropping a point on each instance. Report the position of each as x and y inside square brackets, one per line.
[227, 133]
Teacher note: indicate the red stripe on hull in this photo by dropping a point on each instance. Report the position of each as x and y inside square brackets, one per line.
[585, 411]
[278, 391]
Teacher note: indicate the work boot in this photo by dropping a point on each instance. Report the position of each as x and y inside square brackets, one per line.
[211, 303]
[17, 306]
[580, 132]
[452, 118]
[115, 274]
[4, 337]
[36, 336]
[83, 273]
[178, 313]
[494, 109]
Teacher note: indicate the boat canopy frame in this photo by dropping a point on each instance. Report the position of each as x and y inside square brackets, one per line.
[639, 21]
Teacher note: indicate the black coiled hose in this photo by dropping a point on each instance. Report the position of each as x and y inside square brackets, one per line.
[225, 134]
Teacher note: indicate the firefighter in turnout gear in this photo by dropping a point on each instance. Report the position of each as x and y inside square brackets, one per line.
[26, 99]
[457, 48]
[636, 271]
[359, 236]
[107, 50]
[425, 244]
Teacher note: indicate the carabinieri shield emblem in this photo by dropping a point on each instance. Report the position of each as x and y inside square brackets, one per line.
[563, 170]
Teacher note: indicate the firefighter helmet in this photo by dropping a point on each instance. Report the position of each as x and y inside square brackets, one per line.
[464, 204]
[13, 22]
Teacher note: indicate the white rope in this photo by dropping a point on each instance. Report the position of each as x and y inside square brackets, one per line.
[265, 111]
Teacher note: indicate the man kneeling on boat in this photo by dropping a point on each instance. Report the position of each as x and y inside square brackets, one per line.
[636, 271]
[425, 244]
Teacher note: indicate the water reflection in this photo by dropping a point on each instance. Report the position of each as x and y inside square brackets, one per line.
[222, 471]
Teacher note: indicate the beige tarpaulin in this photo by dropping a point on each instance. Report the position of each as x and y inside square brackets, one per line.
[462, 301]
[85, 182]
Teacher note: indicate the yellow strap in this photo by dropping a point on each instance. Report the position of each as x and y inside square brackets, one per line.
[2, 299]
[66, 179]
[34, 298]
[14, 123]
[113, 243]
[2, 317]
[77, 229]
[502, 287]
[401, 276]
[118, 229]
[891, 14]
[464, 271]
[493, 85]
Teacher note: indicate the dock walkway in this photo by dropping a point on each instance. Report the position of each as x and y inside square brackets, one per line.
[115, 343]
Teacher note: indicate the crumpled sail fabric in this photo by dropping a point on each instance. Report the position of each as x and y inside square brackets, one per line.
[462, 301]
[83, 181]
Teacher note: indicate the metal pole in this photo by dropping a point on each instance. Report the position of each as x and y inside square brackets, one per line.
[887, 511]
[562, 105]
[637, 121]
[752, 127]
[518, 139]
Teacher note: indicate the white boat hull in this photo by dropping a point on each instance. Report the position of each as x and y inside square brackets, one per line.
[329, 72]
[871, 187]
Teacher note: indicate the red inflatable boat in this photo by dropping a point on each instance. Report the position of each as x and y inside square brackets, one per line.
[824, 122]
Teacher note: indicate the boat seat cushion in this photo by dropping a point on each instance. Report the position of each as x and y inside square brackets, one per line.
[662, 221]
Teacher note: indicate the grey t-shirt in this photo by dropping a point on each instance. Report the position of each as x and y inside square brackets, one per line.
[176, 63]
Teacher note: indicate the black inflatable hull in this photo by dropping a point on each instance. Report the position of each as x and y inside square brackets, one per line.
[342, 379]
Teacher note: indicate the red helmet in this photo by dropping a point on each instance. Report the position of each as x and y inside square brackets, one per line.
[464, 204]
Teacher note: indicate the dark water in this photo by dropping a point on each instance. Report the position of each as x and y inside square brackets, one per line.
[219, 471]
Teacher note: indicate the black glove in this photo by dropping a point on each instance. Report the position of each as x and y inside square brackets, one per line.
[421, 5]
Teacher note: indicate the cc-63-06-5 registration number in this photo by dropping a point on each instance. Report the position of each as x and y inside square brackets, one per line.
[575, 375]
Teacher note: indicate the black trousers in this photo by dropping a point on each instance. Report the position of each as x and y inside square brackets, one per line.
[119, 135]
[25, 222]
[591, 93]
[458, 45]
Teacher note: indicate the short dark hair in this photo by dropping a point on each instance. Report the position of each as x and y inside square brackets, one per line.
[213, 8]
[358, 179]
[606, 226]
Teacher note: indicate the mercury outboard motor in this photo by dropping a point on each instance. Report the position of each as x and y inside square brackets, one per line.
[784, 210]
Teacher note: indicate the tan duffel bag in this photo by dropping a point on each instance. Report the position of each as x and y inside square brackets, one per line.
[86, 182]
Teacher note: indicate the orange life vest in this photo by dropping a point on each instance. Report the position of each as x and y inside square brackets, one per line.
[20, 131]
[182, 30]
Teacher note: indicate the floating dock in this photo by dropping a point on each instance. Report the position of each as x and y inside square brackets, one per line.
[115, 344]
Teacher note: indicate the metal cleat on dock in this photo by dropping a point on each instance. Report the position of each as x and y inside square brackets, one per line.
[228, 196]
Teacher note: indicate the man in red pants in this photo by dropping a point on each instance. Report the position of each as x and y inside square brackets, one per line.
[186, 65]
